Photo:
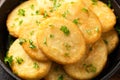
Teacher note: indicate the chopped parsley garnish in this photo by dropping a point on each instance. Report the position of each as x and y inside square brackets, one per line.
[76, 21]
[51, 25]
[60, 77]
[65, 13]
[94, 2]
[21, 12]
[45, 41]
[16, 19]
[36, 66]
[32, 32]
[20, 22]
[51, 36]
[90, 68]
[84, 9]
[32, 46]
[13, 25]
[19, 60]
[45, 15]
[72, 2]
[38, 22]
[55, 5]
[106, 42]
[21, 41]
[32, 7]
[37, 12]
[8, 60]
[65, 30]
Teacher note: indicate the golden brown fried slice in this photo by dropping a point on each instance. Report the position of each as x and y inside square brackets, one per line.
[71, 10]
[29, 42]
[61, 40]
[24, 66]
[91, 29]
[104, 13]
[25, 13]
[91, 64]
[111, 40]
[57, 73]
[84, 18]
[52, 5]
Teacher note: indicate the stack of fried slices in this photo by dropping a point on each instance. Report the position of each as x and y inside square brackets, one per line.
[61, 39]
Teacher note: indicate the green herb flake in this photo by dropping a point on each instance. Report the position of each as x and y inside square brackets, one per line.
[19, 60]
[38, 22]
[60, 77]
[65, 30]
[32, 7]
[32, 33]
[16, 19]
[8, 60]
[45, 41]
[32, 46]
[21, 41]
[55, 5]
[84, 9]
[21, 12]
[45, 15]
[94, 2]
[37, 12]
[51, 36]
[76, 21]
[90, 68]
[13, 25]
[51, 10]
[36, 66]
[20, 22]
[65, 13]
[51, 25]
[72, 2]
